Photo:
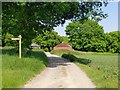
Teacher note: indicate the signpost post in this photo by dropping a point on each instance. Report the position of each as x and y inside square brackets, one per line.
[19, 38]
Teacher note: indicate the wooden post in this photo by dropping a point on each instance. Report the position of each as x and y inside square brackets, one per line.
[20, 37]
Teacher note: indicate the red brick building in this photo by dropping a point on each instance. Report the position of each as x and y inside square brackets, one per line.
[63, 46]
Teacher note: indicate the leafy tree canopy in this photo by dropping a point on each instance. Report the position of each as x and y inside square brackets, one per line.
[47, 40]
[90, 36]
[87, 36]
[30, 18]
[113, 41]
[65, 39]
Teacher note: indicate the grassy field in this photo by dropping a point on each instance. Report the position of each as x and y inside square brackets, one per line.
[103, 70]
[15, 72]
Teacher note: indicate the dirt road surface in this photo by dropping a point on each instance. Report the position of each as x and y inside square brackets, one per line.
[60, 73]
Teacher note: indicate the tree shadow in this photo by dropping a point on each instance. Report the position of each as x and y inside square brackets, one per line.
[57, 61]
[50, 61]
[73, 58]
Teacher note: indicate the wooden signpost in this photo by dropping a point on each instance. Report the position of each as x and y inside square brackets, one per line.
[19, 38]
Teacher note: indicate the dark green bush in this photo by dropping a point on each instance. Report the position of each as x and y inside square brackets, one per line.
[70, 57]
[73, 58]
[46, 49]
[84, 61]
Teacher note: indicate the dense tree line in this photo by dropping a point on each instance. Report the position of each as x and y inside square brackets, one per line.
[31, 18]
[113, 42]
[90, 36]
[47, 40]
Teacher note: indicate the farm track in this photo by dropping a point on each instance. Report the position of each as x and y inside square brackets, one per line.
[60, 73]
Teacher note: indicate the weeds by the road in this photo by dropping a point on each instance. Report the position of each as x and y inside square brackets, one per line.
[15, 72]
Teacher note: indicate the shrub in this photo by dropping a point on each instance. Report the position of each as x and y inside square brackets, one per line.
[70, 57]
[73, 58]
[46, 49]
[84, 61]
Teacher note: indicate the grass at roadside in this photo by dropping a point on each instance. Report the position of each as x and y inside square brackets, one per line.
[15, 72]
[103, 69]
[77, 53]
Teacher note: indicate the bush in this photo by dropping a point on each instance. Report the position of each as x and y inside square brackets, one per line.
[70, 57]
[73, 58]
[84, 61]
[46, 49]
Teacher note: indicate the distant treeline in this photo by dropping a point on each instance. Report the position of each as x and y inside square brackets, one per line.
[82, 36]
[90, 36]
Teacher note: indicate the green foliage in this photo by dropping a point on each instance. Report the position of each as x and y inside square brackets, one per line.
[65, 39]
[90, 36]
[15, 72]
[103, 70]
[73, 58]
[30, 18]
[70, 57]
[8, 40]
[76, 53]
[84, 61]
[113, 41]
[87, 36]
[0, 38]
[47, 40]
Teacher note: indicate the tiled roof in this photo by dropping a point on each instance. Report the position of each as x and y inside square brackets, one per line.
[62, 45]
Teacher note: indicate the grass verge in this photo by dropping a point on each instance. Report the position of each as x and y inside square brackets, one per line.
[15, 72]
[103, 69]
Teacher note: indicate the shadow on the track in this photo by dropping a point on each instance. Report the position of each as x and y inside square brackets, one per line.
[56, 61]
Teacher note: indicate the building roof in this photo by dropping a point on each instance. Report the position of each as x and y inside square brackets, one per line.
[34, 45]
[63, 45]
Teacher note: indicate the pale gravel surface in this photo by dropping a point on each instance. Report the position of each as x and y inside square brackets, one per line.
[60, 74]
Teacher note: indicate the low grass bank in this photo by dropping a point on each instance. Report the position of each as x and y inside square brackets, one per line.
[103, 69]
[77, 53]
[15, 72]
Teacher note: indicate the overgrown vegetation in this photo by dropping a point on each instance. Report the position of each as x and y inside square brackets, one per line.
[16, 72]
[103, 69]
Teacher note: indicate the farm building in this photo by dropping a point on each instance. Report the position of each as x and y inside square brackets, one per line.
[63, 46]
[33, 45]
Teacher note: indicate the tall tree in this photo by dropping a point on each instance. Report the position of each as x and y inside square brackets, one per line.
[47, 40]
[30, 18]
[113, 41]
[87, 36]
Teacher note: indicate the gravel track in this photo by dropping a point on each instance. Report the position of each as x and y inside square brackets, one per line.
[60, 73]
